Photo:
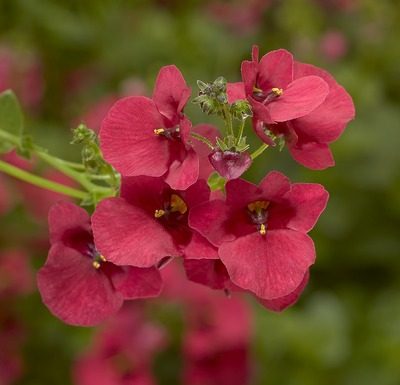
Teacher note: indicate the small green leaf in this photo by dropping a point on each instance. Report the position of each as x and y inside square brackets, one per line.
[216, 182]
[11, 118]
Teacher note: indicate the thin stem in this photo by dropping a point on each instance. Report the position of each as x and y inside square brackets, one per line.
[241, 128]
[259, 151]
[40, 182]
[228, 120]
[202, 139]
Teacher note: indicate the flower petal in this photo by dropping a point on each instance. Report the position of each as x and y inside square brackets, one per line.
[74, 290]
[327, 122]
[270, 266]
[64, 216]
[275, 185]
[235, 91]
[200, 248]
[301, 97]
[127, 235]
[208, 219]
[171, 92]
[183, 173]
[136, 282]
[316, 156]
[127, 138]
[275, 70]
[230, 164]
[283, 303]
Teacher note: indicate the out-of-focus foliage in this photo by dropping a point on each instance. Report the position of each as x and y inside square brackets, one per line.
[346, 328]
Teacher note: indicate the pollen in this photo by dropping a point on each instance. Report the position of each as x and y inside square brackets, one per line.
[159, 131]
[277, 91]
[96, 264]
[257, 90]
[102, 258]
[159, 213]
[258, 206]
[263, 229]
[178, 204]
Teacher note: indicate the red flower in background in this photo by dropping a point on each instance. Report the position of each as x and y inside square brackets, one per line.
[148, 222]
[77, 284]
[122, 352]
[261, 232]
[142, 136]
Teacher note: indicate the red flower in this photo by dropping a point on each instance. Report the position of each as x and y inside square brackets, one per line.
[142, 136]
[311, 121]
[148, 222]
[122, 352]
[274, 93]
[77, 284]
[261, 232]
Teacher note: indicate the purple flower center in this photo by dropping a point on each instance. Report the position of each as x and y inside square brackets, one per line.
[172, 133]
[266, 97]
[96, 257]
[258, 214]
[173, 211]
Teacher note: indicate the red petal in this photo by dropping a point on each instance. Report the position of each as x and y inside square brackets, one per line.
[275, 185]
[316, 156]
[301, 97]
[282, 303]
[327, 122]
[136, 282]
[208, 219]
[270, 266]
[127, 138]
[171, 92]
[65, 216]
[200, 248]
[249, 71]
[235, 91]
[275, 70]
[183, 173]
[127, 235]
[74, 290]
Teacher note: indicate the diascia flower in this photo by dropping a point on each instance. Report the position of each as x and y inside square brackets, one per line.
[314, 117]
[143, 136]
[261, 232]
[77, 283]
[148, 223]
[274, 93]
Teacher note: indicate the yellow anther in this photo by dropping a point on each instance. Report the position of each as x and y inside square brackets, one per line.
[103, 258]
[159, 213]
[178, 204]
[257, 206]
[257, 90]
[96, 264]
[263, 229]
[159, 131]
[277, 91]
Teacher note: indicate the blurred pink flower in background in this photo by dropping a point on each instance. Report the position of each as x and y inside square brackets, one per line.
[333, 45]
[243, 17]
[122, 351]
[23, 73]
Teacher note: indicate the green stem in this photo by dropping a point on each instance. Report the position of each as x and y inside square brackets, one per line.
[228, 120]
[40, 182]
[202, 139]
[241, 128]
[259, 151]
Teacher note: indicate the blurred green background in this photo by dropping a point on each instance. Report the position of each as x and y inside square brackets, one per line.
[346, 327]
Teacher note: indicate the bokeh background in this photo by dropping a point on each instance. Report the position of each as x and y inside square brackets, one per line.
[68, 61]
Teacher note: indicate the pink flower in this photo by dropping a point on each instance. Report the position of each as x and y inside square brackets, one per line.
[230, 164]
[310, 124]
[216, 348]
[142, 136]
[77, 284]
[261, 232]
[122, 352]
[148, 222]
[333, 45]
[274, 93]
[16, 275]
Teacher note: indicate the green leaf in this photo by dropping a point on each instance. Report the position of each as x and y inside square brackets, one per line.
[11, 119]
[216, 182]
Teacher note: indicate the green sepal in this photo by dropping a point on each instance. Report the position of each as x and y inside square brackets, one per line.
[216, 182]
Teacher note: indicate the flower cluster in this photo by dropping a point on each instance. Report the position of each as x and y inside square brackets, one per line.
[182, 195]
